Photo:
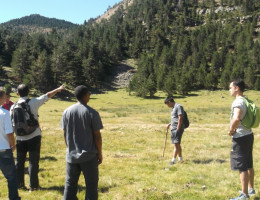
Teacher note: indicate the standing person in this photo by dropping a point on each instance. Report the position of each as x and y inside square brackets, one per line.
[177, 127]
[7, 147]
[81, 125]
[30, 143]
[8, 103]
[241, 155]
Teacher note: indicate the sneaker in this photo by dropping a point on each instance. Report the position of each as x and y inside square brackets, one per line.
[251, 191]
[172, 163]
[242, 196]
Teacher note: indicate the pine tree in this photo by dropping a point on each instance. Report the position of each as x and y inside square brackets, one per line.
[249, 77]
[22, 60]
[41, 73]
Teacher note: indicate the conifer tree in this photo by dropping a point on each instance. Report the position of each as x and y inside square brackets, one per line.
[22, 60]
[41, 73]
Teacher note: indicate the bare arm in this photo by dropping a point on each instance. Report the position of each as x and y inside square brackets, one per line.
[98, 142]
[235, 121]
[53, 92]
[11, 141]
[180, 119]
[168, 126]
[64, 132]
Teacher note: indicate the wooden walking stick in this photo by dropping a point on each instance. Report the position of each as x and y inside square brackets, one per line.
[165, 142]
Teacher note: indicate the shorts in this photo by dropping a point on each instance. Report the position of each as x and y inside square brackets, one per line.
[241, 155]
[176, 136]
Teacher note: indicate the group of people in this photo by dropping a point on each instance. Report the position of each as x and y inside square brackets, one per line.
[241, 155]
[81, 125]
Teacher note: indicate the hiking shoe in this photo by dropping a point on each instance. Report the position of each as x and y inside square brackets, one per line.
[242, 196]
[171, 163]
[251, 191]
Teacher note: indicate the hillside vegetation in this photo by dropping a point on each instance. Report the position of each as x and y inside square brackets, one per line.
[133, 137]
[36, 20]
[180, 46]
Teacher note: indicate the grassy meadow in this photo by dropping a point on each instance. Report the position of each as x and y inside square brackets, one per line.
[133, 137]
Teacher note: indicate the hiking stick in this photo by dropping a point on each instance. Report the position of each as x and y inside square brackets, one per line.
[165, 142]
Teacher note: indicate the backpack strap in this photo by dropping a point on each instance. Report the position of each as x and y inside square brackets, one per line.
[28, 109]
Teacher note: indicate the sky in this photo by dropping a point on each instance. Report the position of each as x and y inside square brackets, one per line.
[75, 11]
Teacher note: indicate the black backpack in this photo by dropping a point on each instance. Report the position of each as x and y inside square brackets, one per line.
[186, 121]
[23, 120]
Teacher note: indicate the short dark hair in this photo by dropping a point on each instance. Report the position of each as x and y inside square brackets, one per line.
[239, 83]
[80, 91]
[23, 90]
[2, 93]
[169, 99]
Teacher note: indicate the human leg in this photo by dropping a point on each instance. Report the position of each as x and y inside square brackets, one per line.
[8, 168]
[176, 137]
[90, 172]
[251, 175]
[34, 146]
[71, 182]
[251, 172]
[244, 181]
[21, 150]
[241, 159]
[177, 150]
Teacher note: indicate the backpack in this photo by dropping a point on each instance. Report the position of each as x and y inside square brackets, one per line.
[23, 120]
[186, 121]
[252, 117]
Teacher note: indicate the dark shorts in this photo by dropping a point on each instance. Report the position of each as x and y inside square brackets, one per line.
[176, 136]
[241, 155]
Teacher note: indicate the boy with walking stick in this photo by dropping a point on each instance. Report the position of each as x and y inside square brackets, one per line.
[177, 127]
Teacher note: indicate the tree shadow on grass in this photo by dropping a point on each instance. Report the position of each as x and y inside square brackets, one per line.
[154, 97]
[257, 198]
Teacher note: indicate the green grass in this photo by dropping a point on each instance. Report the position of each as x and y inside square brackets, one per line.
[133, 138]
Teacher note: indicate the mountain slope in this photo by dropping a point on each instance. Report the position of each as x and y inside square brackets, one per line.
[36, 20]
[111, 11]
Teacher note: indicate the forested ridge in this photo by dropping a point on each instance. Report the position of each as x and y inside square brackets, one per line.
[180, 46]
[40, 21]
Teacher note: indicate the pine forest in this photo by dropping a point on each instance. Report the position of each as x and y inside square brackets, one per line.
[179, 45]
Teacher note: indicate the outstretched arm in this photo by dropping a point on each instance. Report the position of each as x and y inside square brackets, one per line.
[53, 92]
